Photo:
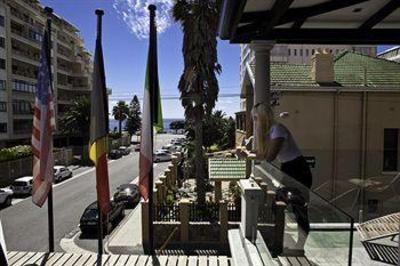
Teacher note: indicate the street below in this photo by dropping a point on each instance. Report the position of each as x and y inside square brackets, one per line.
[25, 225]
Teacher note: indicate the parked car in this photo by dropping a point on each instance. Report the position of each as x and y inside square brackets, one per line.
[22, 186]
[162, 157]
[137, 147]
[168, 147]
[6, 195]
[114, 154]
[61, 173]
[127, 194]
[90, 218]
[124, 150]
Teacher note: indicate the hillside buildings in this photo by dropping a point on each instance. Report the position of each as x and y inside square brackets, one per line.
[392, 54]
[22, 24]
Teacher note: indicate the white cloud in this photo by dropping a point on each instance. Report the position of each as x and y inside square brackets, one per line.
[136, 15]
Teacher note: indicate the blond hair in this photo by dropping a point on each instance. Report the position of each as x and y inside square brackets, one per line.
[264, 116]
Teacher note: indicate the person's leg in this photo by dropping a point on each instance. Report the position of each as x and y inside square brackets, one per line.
[301, 214]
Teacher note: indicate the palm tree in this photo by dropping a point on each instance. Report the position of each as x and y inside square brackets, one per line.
[198, 84]
[76, 120]
[120, 113]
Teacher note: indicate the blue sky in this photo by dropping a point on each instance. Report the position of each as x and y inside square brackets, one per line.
[125, 55]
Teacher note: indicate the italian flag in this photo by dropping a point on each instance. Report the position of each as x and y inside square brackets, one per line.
[152, 116]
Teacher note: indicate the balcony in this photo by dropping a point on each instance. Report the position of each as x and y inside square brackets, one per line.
[24, 70]
[26, 33]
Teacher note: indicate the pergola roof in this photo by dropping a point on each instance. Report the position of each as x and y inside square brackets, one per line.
[311, 21]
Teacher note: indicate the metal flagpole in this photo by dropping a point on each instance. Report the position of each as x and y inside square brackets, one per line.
[100, 251]
[152, 9]
[50, 214]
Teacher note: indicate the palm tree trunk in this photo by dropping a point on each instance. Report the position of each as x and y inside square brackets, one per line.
[120, 126]
[198, 151]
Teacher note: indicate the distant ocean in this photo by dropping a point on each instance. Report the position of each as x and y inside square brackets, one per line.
[166, 122]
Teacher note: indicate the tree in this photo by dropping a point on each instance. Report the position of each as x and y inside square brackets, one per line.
[198, 84]
[76, 120]
[120, 113]
[134, 121]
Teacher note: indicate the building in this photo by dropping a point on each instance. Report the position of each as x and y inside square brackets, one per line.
[392, 54]
[301, 53]
[343, 112]
[22, 24]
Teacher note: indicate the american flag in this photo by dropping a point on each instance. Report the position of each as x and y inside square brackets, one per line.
[43, 128]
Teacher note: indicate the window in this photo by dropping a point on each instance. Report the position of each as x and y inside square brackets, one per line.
[313, 51]
[2, 21]
[22, 126]
[289, 52]
[390, 149]
[2, 42]
[295, 52]
[3, 107]
[23, 86]
[307, 53]
[2, 63]
[2, 85]
[22, 107]
[3, 127]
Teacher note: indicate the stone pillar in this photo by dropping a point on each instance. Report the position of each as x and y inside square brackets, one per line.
[184, 206]
[264, 188]
[218, 191]
[271, 195]
[164, 189]
[158, 185]
[251, 196]
[167, 174]
[258, 180]
[249, 164]
[249, 107]
[155, 197]
[262, 75]
[172, 178]
[175, 170]
[223, 221]
[145, 225]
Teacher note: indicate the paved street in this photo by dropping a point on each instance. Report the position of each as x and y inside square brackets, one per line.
[25, 225]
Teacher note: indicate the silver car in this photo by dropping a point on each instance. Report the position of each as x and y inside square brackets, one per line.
[6, 195]
[61, 173]
[22, 186]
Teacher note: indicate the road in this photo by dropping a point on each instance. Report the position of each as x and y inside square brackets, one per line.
[25, 225]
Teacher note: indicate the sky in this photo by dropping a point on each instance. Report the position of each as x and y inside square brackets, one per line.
[125, 50]
[125, 47]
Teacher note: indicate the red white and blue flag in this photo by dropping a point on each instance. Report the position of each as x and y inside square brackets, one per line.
[43, 128]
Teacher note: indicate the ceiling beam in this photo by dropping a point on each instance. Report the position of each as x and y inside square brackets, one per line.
[298, 23]
[278, 10]
[382, 13]
[239, 9]
[326, 36]
[300, 13]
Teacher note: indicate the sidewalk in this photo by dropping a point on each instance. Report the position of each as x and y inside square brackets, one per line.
[127, 238]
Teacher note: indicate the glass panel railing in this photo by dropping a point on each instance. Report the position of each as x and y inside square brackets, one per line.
[313, 227]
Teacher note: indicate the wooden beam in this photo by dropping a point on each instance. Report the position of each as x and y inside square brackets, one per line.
[298, 23]
[382, 13]
[326, 36]
[239, 9]
[295, 14]
[278, 10]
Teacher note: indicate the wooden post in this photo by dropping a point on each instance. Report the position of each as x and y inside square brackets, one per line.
[167, 174]
[279, 228]
[184, 206]
[158, 185]
[223, 221]
[145, 225]
[270, 198]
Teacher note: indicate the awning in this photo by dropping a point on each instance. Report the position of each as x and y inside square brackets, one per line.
[311, 21]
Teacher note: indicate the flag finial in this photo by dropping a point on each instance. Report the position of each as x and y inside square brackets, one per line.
[152, 8]
[99, 12]
[48, 10]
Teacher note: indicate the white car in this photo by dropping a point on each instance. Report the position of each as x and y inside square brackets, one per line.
[61, 172]
[22, 186]
[6, 195]
[162, 157]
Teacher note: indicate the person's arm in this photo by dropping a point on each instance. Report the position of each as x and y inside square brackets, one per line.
[274, 147]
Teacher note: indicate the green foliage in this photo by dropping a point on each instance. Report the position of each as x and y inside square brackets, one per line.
[234, 191]
[76, 121]
[114, 135]
[213, 148]
[120, 113]
[179, 124]
[14, 153]
[134, 120]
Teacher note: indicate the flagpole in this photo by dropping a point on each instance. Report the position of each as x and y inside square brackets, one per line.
[152, 9]
[50, 213]
[100, 251]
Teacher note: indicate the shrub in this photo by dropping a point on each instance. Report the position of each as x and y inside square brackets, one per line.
[14, 153]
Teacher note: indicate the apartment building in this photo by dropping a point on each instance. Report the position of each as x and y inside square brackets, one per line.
[22, 24]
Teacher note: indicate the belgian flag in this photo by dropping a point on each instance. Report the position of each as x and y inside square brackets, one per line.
[99, 127]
